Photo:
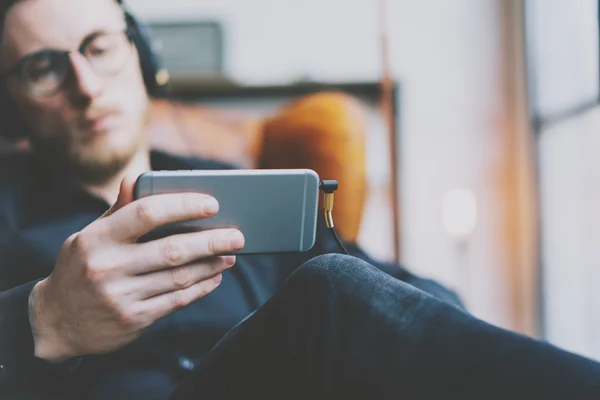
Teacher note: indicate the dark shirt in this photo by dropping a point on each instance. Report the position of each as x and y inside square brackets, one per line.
[39, 211]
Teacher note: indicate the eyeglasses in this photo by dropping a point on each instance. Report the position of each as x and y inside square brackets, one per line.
[45, 73]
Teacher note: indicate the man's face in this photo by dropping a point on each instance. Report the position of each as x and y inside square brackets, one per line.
[95, 122]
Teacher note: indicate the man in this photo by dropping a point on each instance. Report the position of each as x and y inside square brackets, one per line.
[87, 312]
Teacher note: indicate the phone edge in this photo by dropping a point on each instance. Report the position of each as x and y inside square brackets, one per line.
[306, 245]
[140, 185]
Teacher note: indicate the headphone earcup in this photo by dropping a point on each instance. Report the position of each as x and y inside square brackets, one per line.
[155, 77]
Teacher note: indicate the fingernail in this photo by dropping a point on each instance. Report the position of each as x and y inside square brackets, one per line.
[217, 279]
[211, 205]
[236, 240]
[229, 260]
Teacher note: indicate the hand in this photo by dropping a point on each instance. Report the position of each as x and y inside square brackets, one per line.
[106, 288]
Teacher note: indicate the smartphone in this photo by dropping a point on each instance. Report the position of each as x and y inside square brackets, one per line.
[276, 210]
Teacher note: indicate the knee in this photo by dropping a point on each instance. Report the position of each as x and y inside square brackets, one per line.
[332, 265]
[333, 270]
[336, 280]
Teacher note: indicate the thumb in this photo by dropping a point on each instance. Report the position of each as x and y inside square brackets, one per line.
[125, 194]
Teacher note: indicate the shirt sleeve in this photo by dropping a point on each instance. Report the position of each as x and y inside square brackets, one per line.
[18, 365]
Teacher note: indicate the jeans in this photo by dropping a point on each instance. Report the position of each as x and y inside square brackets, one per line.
[340, 328]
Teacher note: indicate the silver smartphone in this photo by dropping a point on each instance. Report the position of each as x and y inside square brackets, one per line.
[276, 210]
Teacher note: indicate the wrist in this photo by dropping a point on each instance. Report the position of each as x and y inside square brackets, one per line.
[44, 321]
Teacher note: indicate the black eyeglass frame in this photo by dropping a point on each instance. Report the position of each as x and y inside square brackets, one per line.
[19, 67]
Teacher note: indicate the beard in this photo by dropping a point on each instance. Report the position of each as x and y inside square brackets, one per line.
[96, 168]
[91, 161]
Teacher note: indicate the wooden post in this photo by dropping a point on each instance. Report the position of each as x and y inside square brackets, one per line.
[387, 107]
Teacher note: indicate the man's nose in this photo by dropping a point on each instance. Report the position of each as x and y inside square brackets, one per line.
[86, 81]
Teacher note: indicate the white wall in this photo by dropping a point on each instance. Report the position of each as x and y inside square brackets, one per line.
[272, 41]
[449, 57]
[449, 54]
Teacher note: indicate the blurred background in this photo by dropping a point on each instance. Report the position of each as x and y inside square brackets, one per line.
[482, 129]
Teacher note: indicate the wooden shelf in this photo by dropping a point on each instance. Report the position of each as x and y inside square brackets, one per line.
[218, 87]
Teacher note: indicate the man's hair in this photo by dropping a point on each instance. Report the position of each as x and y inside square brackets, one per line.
[6, 5]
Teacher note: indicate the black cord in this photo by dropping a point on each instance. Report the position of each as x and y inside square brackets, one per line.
[338, 240]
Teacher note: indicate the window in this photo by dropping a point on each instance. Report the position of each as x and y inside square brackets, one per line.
[564, 85]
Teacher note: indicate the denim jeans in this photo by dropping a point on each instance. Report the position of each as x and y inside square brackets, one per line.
[340, 328]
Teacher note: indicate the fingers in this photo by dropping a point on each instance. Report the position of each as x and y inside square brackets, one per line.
[135, 219]
[161, 305]
[179, 278]
[178, 250]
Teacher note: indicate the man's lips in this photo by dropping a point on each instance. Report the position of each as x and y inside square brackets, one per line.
[100, 122]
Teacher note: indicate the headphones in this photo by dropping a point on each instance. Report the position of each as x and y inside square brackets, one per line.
[155, 77]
